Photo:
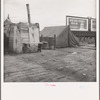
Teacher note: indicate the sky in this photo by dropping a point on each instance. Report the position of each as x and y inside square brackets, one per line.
[48, 12]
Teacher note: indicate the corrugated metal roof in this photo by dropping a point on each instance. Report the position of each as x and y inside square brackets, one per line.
[51, 31]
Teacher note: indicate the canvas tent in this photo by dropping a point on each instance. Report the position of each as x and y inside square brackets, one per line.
[64, 37]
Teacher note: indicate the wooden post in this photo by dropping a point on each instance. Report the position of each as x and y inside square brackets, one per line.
[41, 38]
[79, 38]
[54, 42]
[68, 31]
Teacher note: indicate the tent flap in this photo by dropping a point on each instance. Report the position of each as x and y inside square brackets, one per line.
[73, 40]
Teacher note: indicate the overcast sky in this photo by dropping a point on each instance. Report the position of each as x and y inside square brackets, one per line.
[48, 12]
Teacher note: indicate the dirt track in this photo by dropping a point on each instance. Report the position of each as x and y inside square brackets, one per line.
[60, 65]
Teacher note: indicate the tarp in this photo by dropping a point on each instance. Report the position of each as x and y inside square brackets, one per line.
[73, 40]
[31, 35]
[64, 37]
[36, 35]
[15, 41]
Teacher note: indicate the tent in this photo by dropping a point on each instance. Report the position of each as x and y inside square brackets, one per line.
[64, 37]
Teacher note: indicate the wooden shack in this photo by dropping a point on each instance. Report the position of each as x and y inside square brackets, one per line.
[19, 35]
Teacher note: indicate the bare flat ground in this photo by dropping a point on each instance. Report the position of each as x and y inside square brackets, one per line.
[60, 65]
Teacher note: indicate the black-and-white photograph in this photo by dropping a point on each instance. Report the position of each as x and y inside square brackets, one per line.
[49, 41]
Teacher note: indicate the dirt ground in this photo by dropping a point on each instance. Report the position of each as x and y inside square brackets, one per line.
[60, 65]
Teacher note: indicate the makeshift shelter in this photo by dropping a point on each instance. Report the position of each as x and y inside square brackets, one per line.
[64, 37]
[21, 36]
